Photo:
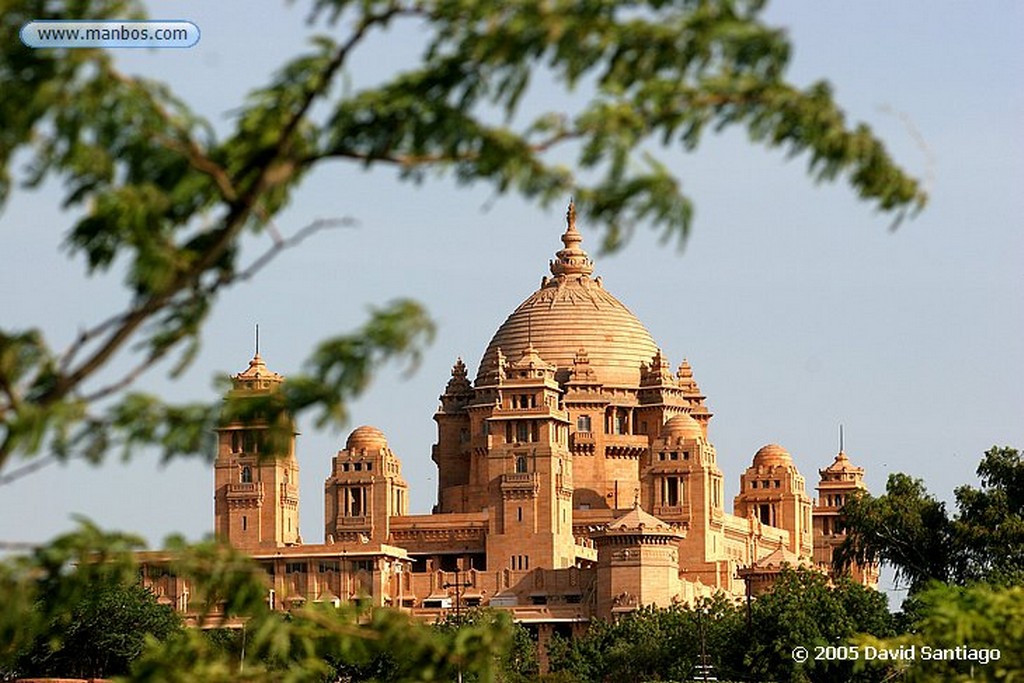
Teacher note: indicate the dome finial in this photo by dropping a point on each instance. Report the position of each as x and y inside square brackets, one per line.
[571, 260]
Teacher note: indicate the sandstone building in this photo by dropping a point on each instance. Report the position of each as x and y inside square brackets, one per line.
[576, 479]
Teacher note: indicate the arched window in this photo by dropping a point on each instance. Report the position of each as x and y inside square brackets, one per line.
[520, 464]
[246, 475]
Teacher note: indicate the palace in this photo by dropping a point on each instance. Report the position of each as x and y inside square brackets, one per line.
[576, 480]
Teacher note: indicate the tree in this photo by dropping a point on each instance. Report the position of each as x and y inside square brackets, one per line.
[100, 635]
[516, 665]
[51, 601]
[162, 195]
[906, 528]
[803, 610]
[653, 644]
[911, 531]
[989, 526]
[972, 634]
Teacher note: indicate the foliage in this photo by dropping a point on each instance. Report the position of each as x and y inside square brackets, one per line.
[907, 529]
[518, 664]
[980, 618]
[159, 192]
[156, 191]
[989, 526]
[911, 531]
[44, 593]
[654, 644]
[89, 568]
[802, 609]
[100, 635]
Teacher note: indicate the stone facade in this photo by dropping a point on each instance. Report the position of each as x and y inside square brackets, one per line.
[576, 480]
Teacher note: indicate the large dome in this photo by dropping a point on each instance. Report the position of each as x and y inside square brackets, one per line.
[572, 311]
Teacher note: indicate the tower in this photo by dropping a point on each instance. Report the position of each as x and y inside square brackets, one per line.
[637, 563]
[839, 482]
[256, 475]
[772, 491]
[365, 489]
[529, 470]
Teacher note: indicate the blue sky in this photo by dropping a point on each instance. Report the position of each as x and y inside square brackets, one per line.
[796, 305]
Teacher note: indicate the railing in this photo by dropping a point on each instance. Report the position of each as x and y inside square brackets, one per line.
[247, 490]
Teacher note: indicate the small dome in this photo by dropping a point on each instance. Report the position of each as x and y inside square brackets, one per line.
[772, 455]
[366, 437]
[682, 426]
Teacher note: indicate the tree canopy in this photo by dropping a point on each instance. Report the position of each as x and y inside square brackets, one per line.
[910, 530]
[157, 190]
[801, 610]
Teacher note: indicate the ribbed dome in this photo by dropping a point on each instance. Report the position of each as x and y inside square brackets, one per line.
[571, 312]
[366, 437]
[682, 426]
[772, 455]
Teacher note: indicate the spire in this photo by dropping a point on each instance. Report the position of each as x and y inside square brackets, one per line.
[572, 260]
[256, 376]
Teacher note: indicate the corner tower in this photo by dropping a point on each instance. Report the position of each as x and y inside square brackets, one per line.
[365, 489]
[256, 475]
[772, 491]
[839, 482]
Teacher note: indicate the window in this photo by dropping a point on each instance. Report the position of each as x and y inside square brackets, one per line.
[327, 566]
[295, 568]
[358, 467]
[620, 423]
[245, 523]
[246, 475]
[520, 563]
[485, 428]
[519, 513]
[672, 491]
[522, 431]
[753, 484]
[583, 423]
[520, 464]
[236, 442]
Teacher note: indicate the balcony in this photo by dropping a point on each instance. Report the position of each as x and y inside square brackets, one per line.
[246, 490]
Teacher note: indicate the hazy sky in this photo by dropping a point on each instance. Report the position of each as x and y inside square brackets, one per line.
[796, 305]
